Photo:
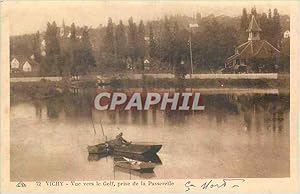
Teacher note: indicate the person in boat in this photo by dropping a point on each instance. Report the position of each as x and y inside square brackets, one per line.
[119, 141]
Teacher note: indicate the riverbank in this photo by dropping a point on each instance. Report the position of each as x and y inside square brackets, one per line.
[137, 76]
[159, 83]
[48, 89]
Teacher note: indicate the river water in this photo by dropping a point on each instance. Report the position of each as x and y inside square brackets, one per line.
[237, 135]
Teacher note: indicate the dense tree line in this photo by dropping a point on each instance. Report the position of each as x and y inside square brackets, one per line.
[71, 56]
[167, 43]
[168, 40]
[123, 46]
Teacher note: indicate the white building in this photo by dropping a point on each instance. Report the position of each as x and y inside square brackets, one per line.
[23, 65]
[27, 67]
[286, 34]
[15, 64]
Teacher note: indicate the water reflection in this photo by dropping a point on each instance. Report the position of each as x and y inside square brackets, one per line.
[217, 108]
[137, 165]
[231, 129]
[130, 173]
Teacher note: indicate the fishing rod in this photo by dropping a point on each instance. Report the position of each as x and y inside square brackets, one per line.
[103, 130]
[93, 123]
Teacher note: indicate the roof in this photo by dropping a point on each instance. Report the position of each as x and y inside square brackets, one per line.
[22, 59]
[254, 48]
[253, 26]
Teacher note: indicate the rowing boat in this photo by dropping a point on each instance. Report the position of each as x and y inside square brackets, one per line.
[154, 158]
[137, 149]
[136, 165]
[130, 149]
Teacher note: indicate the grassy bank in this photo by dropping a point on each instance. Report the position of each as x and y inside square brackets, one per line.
[151, 82]
[203, 83]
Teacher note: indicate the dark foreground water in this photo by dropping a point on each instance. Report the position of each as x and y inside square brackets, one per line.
[238, 135]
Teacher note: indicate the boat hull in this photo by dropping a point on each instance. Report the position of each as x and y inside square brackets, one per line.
[102, 149]
[154, 158]
[129, 150]
[134, 165]
[144, 175]
[138, 149]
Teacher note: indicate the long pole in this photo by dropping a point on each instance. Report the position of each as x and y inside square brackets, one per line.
[103, 130]
[93, 123]
[191, 56]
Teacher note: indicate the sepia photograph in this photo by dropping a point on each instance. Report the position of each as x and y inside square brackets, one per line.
[148, 90]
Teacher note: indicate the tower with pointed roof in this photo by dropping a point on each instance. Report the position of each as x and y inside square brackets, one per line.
[254, 30]
[253, 52]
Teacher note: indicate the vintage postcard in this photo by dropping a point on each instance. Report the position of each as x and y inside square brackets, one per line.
[149, 96]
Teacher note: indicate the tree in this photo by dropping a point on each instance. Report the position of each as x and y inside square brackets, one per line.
[88, 57]
[176, 46]
[73, 45]
[141, 44]
[83, 57]
[166, 42]
[277, 28]
[213, 44]
[109, 38]
[152, 42]
[244, 24]
[269, 14]
[36, 47]
[52, 65]
[173, 46]
[266, 25]
[179, 50]
[254, 12]
[121, 42]
[132, 40]
[244, 21]
[285, 55]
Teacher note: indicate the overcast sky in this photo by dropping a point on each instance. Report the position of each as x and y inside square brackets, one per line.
[28, 17]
